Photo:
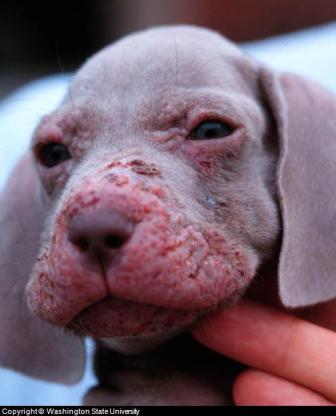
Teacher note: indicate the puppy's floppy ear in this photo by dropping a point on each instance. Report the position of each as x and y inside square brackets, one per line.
[305, 114]
[27, 344]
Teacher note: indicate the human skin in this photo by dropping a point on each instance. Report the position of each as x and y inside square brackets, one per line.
[287, 354]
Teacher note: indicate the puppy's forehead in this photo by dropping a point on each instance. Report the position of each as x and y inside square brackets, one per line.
[161, 61]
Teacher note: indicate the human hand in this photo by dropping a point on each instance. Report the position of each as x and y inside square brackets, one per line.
[290, 357]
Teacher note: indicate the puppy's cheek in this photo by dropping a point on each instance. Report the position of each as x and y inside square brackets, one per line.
[175, 264]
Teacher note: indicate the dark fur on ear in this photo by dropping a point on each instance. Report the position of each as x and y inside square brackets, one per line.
[27, 344]
[305, 114]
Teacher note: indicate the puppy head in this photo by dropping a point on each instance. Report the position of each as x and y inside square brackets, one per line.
[164, 180]
[160, 184]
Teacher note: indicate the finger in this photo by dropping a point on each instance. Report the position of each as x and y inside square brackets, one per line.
[256, 388]
[284, 345]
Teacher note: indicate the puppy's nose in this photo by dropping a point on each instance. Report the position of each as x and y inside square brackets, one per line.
[99, 234]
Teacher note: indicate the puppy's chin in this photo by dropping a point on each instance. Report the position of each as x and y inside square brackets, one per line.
[139, 344]
[131, 326]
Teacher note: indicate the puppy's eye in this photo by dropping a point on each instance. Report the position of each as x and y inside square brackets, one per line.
[211, 129]
[52, 154]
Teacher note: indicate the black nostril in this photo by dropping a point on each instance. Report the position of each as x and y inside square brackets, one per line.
[115, 241]
[82, 243]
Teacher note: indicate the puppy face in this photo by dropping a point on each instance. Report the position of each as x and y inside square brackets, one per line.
[158, 174]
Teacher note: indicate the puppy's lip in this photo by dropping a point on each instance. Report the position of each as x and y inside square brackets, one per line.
[127, 321]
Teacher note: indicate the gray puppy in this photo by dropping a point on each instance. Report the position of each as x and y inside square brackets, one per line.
[164, 181]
